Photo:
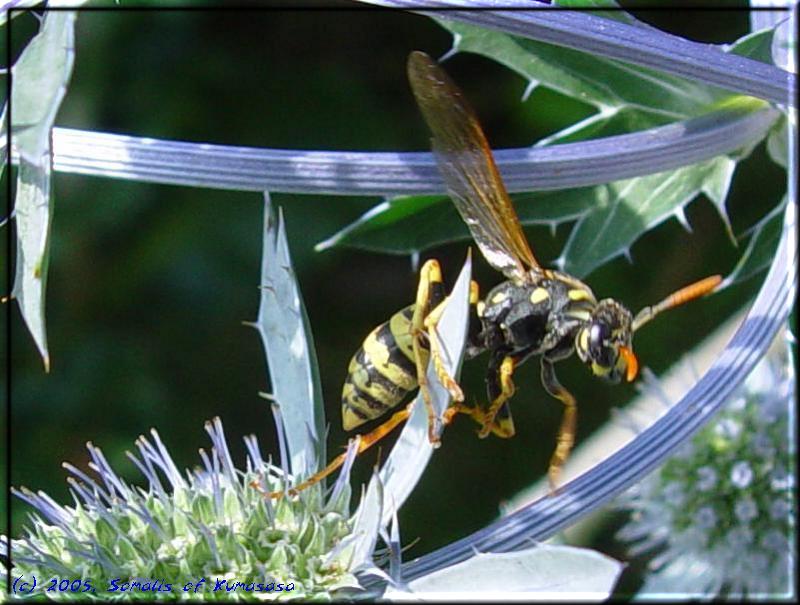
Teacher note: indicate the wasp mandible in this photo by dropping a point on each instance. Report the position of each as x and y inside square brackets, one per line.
[535, 312]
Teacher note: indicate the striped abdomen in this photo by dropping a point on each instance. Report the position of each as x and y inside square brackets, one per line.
[381, 372]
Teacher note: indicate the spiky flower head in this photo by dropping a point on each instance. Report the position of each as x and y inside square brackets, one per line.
[720, 514]
[206, 534]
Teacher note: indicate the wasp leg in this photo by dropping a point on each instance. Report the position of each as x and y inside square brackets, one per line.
[566, 433]
[430, 322]
[430, 295]
[473, 412]
[365, 442]
[436, 353]
[501, 389]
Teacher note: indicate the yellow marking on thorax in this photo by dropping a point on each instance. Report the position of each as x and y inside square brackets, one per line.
[580, 294]
[480, 307]
[579, 314]
[499, 297]
[539, 295]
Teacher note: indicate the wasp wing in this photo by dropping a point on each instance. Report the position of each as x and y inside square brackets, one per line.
[466, 163]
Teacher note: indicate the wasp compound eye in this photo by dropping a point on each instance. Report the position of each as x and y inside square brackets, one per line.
[598, 334]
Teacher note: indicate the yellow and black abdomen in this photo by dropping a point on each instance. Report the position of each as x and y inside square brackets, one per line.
[381, 372]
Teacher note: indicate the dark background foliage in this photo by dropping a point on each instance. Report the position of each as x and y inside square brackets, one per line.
[149, 284]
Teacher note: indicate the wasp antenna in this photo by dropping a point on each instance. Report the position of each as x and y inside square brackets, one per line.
[684, 295]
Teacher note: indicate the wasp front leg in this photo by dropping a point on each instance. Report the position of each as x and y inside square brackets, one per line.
[566, 433]
[428, 309]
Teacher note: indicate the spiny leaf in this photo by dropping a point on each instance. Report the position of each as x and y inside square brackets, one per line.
[761, 248]
[601, 82]
[409, 224]
[285, 332]
[634, 206]
[367, 524]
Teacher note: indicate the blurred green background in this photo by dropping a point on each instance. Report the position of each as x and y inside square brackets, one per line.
[149, 284]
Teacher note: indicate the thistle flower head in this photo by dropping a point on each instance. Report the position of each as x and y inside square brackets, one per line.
[720, 513]
[209, 523]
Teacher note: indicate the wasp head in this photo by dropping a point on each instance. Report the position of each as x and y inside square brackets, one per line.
[604, 343]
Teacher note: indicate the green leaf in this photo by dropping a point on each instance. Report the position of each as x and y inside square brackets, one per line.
[626, 209]
[409, 224]
[604, 83]
[761, 248]
[757, 45]
[606, 124]
[380, 222]
[285, 332]
[778, 144]
[539, 571]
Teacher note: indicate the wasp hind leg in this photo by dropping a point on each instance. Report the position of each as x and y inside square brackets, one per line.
[364, 443]
[566, 433]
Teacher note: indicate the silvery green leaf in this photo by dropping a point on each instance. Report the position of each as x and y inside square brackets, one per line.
[411, 453]
[40, 78]
[40, 82]
[541, 572]
[367, 524]
[32, 215]
[292, 362]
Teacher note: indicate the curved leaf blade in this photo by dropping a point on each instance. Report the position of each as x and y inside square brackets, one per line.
[32, 213]
[291, 359]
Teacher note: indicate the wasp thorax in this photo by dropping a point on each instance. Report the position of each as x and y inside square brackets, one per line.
[604, 343]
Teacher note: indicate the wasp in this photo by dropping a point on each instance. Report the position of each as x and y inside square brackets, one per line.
[536, 311]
